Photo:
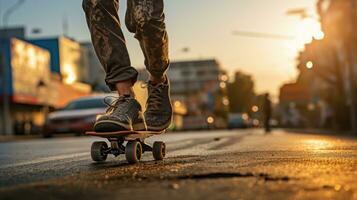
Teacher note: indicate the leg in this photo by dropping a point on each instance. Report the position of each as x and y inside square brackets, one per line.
[109, 43]
[108, 40]
[267, 124]
[146, 19]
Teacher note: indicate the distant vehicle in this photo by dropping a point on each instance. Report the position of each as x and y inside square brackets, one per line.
[238, 120]
[196, 123]
[77, 117]
[203, 122]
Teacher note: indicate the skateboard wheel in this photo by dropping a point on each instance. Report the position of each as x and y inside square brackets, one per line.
[97, 151]
[159, 150]
[133, 152]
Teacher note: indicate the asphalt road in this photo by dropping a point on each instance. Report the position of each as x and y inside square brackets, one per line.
[199, 165]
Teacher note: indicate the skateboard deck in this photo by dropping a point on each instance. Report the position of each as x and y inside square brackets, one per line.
[127, 135]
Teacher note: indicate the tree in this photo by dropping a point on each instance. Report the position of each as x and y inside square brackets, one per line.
[334, 60]
[241, 93]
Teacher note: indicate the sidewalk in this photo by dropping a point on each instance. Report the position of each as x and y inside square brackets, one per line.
[321, 131]
[12, 138]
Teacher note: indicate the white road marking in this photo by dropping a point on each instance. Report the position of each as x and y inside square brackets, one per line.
[47, 159]
[175, 141]
[77, 156]
[200, 149]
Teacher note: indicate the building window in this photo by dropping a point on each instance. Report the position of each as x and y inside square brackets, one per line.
[201, 73]
[186, 73]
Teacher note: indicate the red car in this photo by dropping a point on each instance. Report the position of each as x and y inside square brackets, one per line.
[77, 117]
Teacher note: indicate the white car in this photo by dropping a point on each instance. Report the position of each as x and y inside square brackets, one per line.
[78, 116]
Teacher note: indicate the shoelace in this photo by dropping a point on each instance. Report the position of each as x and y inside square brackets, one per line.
[112, 105]
[154, 99]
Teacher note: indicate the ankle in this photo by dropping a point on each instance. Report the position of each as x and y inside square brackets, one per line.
[158, 80]
[125, 88]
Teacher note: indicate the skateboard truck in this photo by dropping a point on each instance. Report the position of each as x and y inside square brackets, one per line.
[116, 148]
[133, 150]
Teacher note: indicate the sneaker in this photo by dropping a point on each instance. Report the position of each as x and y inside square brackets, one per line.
[158, 114]
[123, 114]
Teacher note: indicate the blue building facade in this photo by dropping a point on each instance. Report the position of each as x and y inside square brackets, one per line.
[53, 46]
[5, 59]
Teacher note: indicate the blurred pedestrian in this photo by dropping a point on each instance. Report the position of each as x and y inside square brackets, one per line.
[144, 18]
[267, 109]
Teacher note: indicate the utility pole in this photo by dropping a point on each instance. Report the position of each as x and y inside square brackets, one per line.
[7, 122]
[0, 13]
[65, 26]
[350, 70]
[352, 67]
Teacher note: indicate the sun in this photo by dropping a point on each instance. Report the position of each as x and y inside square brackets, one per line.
[307, 30]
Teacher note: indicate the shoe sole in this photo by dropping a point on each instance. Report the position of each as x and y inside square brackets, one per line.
[159, 128]
[112, 126]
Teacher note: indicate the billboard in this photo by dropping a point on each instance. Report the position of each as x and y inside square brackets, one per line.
[30, 66]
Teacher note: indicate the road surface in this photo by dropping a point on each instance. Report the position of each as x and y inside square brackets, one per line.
[239, 164]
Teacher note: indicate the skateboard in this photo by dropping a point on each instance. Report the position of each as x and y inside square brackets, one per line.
[133, 149]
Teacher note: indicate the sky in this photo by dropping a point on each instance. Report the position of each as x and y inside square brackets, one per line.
[205, 27]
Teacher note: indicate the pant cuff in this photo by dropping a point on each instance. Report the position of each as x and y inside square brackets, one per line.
[121, 75]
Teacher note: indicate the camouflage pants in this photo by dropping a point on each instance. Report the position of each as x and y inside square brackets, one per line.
[145, 18]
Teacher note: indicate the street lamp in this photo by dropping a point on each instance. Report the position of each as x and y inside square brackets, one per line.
[255, 109]
[11, 10]
[36, 31]
[301, 12]
[309, 65]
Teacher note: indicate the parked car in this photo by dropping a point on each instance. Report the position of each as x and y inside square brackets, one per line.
[238, 120]
[78, 116]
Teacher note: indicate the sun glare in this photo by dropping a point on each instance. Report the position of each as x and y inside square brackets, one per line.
[69, 74]
[317, 144]
[307, 30]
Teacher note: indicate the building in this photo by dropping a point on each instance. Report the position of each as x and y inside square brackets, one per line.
[96, 74]
[303, 103]
[66, 58]
[294, 101]
[188, 77]
[17, 32]
[328, 67]
[67, 65]
[34, 80]
[195, 83]
[25, 75]
[198, 92]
